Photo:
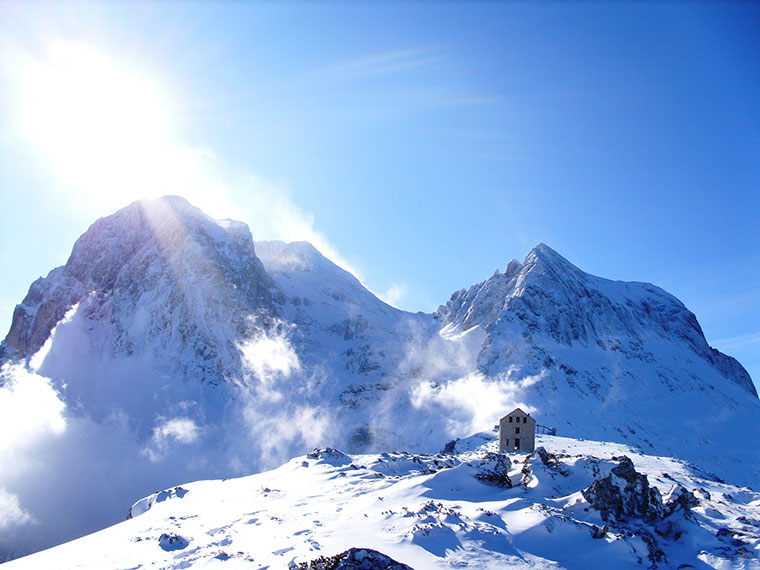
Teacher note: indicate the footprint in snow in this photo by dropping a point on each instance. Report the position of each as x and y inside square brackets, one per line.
[314, 545]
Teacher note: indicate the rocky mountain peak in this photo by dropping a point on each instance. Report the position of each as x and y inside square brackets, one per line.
[294, 256]
[154, 268]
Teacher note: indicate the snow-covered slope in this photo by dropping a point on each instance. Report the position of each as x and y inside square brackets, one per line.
[170, 347]
[158, 290]
[611, 360]
[337, 323]
[573, 504]
[548, 297]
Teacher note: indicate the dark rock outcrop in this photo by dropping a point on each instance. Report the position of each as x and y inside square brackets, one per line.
[171, 541]
[494, 469]
[679, 499]
[354, 559]
[625, 493]
[331, 456]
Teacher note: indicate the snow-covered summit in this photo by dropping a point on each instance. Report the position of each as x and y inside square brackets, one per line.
[161, 247]
[310, 285]
[572, 504]
[156, 291]
[294, 256]
[549, 298]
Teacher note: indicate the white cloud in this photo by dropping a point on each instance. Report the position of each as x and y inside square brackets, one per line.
[12, 515]
[29, 409]
[269, 359]
[394, 294]
[181, 430]
[275, 402]
[278, 433]
[472, 402]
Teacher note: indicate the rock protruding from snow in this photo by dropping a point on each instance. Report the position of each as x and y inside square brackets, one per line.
[679, 499]
[169, 541]
[494, 469]
[144, 504]
[330, 456]
[625, 493]
[354, 559]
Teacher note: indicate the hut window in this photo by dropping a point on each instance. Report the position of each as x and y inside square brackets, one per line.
[510, 419]
[517, 430]
[525, 420]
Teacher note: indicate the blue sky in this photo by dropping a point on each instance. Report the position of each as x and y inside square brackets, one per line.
[423, 145]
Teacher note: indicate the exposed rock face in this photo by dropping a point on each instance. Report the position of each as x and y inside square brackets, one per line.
[47, 302]
[547, 296]
[679, 500]
[155, 274]
[624, 494]
[354, 559]
[494, 469]
[330, 456]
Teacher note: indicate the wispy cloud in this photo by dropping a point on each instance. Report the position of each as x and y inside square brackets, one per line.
[384, 63]
[741, 342]
[176, 430]
[268, 209]
[394, 294]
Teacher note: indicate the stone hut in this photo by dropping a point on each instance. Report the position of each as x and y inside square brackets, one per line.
[517, 432]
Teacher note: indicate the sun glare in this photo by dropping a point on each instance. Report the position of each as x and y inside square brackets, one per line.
[98, 125]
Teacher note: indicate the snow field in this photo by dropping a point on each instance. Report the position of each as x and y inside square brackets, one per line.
[427, 511]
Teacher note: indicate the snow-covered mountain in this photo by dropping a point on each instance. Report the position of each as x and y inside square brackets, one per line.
[611, 360]
[156, 291]
[570, 505]
[172, 347]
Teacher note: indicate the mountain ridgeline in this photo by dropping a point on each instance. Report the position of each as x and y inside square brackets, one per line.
[163, 314]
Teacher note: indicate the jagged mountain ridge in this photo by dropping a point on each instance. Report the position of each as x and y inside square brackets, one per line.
[551, 296]
[161, 277]
[218, 355]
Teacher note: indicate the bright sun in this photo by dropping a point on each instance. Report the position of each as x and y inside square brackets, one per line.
[103, 129]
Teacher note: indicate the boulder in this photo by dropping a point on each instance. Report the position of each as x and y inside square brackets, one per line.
[354, 559]
[625, 493]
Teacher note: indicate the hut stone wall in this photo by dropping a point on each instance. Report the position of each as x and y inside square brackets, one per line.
[517, 432]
